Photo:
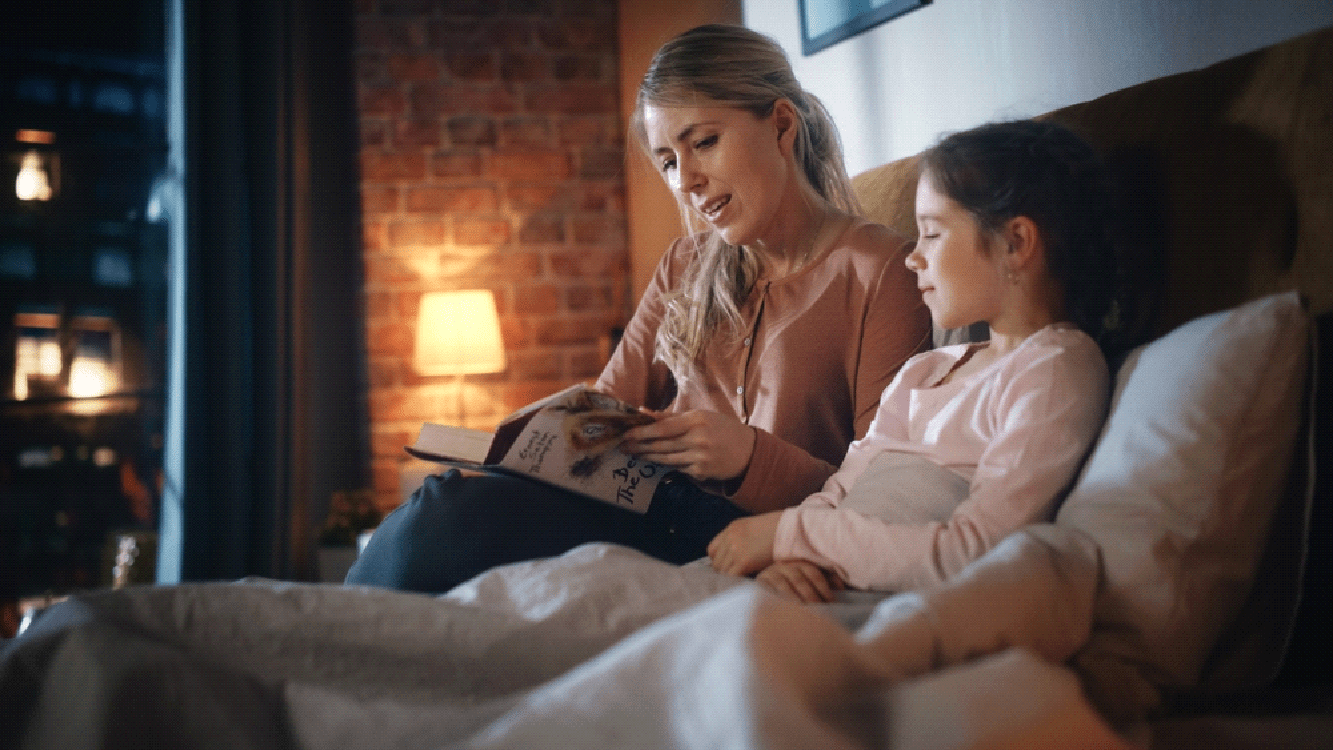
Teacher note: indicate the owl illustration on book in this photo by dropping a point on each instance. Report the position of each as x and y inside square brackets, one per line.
[594, 423]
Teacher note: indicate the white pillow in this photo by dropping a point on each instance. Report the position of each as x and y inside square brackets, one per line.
[1179, 492]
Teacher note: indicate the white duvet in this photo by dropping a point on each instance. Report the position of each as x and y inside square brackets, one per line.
[599, 648]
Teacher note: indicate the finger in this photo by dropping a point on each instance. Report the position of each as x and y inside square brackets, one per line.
[814, 578]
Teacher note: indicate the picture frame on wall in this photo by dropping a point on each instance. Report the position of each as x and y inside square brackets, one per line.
[827, 22]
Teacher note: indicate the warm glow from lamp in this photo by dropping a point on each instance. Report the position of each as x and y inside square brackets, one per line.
[33, 183]
[458, 333]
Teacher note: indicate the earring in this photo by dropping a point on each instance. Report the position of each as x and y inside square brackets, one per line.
[1013, 277]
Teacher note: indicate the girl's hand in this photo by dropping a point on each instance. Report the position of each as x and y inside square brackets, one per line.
[802, 581]
[702, 444]
[746, 545]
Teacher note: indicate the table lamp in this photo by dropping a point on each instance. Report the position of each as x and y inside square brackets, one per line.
[458, 333]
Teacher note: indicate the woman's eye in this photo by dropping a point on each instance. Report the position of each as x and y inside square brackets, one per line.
[706, 142]
[668, 165]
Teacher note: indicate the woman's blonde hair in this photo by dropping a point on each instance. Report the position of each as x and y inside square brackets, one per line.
[736, 67]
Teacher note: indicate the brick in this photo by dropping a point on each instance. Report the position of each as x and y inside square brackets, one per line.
[572, 98]
[389, 271]
[384, 371]
[374, 33]
[393, 337]
[480, 231]
[374, 132]
[525, 66]
[413, 67]
[586, 363]
[601, 163]
[604, 198]
[373, 235]
[428, 100]
[381, 100]
[472, 131]
[436, 199]
[564, 331]
[529, 165]
[577, 67]
[590, 298]
[389, 443]
[589, 264]
[407, 233]
[378, 166]
[526, 131]
[537, 299]
[455, 163]
[591, 33]
[471, 66]
[535, 365]
[454, 31]
[533, 197]
[585, 129]
[379, 199]
[542, 229]
[410, 8]
[599, 230]
[509, 33]
[518, 395]
[371, 67]
[416, 133]
[503, 267]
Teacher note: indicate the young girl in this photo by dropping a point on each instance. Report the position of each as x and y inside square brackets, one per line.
[763, 340]
[972, 441]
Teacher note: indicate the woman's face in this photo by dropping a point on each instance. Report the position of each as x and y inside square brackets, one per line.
[726, 164]
[960, 281]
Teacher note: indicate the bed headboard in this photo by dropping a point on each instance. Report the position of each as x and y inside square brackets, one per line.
[1225, 177]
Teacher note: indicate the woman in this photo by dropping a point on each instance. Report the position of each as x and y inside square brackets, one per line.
[762, 342]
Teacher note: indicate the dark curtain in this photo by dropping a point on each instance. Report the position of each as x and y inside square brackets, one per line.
[276, 413]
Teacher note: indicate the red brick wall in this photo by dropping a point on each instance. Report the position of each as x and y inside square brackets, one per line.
[492, 155]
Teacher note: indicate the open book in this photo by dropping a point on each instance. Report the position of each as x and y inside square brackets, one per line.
[569, 440]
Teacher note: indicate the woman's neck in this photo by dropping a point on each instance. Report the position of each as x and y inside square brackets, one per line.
[799, 242]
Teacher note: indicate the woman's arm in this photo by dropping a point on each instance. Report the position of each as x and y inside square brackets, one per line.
[632, 374]
[894, 325]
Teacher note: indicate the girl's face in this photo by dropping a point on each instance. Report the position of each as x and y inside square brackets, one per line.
[726, 165]
[959, 268]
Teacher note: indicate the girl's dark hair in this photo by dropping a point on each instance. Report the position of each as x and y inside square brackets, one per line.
[1041, 170]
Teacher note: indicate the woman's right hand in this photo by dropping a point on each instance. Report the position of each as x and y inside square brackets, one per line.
[705, 445]
[801, 580]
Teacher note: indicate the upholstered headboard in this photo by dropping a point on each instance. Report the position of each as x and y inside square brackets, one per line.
[1225, 175]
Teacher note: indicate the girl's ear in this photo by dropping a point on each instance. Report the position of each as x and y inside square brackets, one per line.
[1024, 242]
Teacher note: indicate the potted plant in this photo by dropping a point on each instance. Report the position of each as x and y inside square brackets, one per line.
[351, 512]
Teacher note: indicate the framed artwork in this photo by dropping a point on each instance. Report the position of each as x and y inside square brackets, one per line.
[827, 22]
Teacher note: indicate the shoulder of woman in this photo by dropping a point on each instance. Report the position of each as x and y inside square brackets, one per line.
[867, 236]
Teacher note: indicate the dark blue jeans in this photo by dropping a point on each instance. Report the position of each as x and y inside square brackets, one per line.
[455, 527]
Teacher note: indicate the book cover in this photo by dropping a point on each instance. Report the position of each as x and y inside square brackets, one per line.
[569, 440]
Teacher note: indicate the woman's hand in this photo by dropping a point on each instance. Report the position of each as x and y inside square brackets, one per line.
[746, 545]
[702, 444]
[802, 581]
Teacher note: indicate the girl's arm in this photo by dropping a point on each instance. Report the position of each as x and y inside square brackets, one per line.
[1045, 418]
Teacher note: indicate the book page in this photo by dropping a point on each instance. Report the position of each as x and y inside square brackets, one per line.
[573, 443]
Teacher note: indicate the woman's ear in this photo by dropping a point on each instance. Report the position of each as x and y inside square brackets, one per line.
[786, 120]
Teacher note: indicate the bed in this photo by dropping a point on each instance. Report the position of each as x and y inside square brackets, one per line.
[1174, 602]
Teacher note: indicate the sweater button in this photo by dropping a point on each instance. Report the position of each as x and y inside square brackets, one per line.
[740, 390]
[748, 340]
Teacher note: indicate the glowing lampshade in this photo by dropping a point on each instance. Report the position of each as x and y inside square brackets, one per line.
[458, 333]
